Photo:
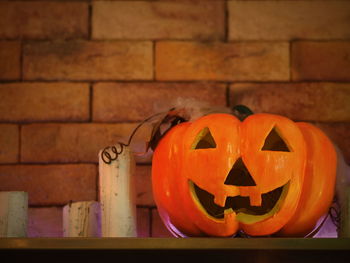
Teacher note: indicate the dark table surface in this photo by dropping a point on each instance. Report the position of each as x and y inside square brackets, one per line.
[177, 249]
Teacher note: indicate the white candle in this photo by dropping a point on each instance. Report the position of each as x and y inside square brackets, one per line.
[13, 214]
[82, 219]
[116, 191]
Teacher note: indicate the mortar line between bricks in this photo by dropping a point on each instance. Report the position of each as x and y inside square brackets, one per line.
[290, 62]
[90, 10]
[226, 22]
[189, 40]
[63, 121]
[175, 81]
[48, 163]
[91, 98]
[57, 1]
[60, 122]
[89, 81]
[44, 81]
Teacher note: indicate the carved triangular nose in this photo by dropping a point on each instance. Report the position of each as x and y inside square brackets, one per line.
[239, 175]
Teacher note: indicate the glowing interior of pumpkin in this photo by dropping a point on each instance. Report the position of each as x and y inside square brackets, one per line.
[248, 211]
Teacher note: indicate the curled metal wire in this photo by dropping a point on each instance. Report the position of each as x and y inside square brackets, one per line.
[106, 156]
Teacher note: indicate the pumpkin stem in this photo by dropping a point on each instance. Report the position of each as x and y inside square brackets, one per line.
[242, 112]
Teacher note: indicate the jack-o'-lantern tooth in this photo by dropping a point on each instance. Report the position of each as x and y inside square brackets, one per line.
[229, 214]
[220, 200]
[253, 193]
[255, 199]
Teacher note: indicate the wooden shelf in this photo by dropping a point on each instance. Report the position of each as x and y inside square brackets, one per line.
[178, 243]
[178, 249]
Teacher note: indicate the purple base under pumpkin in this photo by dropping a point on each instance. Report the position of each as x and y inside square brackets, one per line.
[325, 228]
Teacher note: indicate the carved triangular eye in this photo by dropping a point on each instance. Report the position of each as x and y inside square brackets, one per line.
[239, 175]
[274, 142]
[204, 140]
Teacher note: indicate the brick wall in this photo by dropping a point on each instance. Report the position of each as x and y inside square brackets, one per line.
[77, 76]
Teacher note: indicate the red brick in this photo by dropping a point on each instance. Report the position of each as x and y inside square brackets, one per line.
[10, 60]
[143, 185]
[143, 226]
[222, 61]
[71, 143]
[321, 60]
[138, 101]
[9, 143]
[45, 222]
[339, 133]
[158, 20]
[51, 184]
[41, 20]
[326, 102]
[158, 227]
[44, 102]
[287, 20]
[88, 60]
[62, 143]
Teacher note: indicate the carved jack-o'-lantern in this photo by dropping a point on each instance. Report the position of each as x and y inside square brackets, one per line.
[264, 175]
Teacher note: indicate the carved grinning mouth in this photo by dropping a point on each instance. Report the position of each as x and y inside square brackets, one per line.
[238, 176]
[238, 204]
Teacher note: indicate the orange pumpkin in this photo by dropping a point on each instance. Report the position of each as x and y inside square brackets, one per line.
[264, 175]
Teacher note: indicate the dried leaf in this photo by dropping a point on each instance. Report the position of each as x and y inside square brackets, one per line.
[171, 119]
[178, 115]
